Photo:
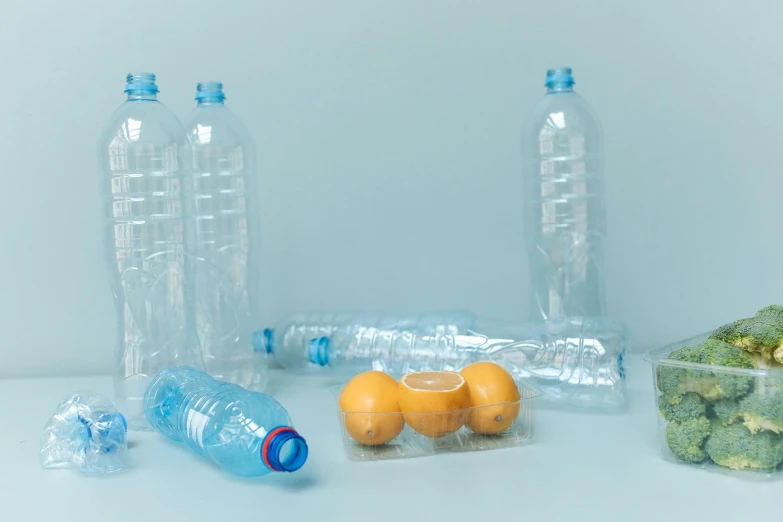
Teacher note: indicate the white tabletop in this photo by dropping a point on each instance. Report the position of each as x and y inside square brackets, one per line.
[579, 467]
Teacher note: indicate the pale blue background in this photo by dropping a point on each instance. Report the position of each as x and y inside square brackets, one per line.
[388, 135]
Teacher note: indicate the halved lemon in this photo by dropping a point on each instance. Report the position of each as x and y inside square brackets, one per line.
[433, 403]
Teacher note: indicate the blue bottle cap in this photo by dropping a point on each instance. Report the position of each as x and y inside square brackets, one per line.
[284, 449]
[318, 351]
[559, 77]
[262, 340]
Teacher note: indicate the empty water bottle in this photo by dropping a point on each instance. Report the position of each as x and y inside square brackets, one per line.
[244, 432]
[86, 433]
[564, 202]
[143, 153]
[294, 342]
[223, 216]
[575, 361]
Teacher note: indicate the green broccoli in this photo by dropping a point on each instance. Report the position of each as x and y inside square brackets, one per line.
[726, 410]
[771, 311]
[763, 411]
[735, 447]
[675, 382]
[760, 410]
[762, 334]
[686, 438]
[688, 406]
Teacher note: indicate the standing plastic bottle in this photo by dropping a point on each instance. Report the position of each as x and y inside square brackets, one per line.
[564, 202]
[143, 153]
[246, 433]
[294, 343]
[223, 213]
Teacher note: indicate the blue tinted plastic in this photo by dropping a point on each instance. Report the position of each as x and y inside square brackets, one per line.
[559, 79]
[87, 433]
[207, 92]
[141, 83]
[246, 433]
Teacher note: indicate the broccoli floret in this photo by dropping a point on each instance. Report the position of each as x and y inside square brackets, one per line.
[762, 334]
[689, 406]
[771, 311]
[727, 410]
[686, 438]
[675, 382]
[735, 447]
[760, 410]
[763, 412]
[723, 354]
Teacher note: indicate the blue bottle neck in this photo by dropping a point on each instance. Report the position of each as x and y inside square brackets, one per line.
[142, 96]
[213, 102]
[141, 86]
[210, 93]
[558, 89]
[559, 80]
[283, 449]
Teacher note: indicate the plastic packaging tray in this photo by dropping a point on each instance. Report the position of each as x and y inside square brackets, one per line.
[760, 380]
[409, 443]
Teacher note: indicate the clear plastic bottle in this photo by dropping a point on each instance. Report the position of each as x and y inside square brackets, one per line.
[223, 213]
[143, 153]
[564, 202]
[294, 343]
[86, 433]
[246, 433]
[577, 362]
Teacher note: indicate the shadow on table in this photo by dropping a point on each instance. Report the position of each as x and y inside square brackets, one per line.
[301, 480]
[297, 481]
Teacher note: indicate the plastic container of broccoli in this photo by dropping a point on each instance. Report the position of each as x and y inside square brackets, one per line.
[720, 406]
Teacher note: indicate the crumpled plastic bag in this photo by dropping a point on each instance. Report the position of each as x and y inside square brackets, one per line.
[86, 432]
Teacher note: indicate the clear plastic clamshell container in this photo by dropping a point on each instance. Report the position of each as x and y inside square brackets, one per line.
[410, 443]
[727, 419]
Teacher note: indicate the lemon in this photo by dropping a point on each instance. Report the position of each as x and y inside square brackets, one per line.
[433, 403]
[370, 408]
[494, 397]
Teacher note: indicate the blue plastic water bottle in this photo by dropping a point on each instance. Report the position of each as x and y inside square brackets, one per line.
[246, 433]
